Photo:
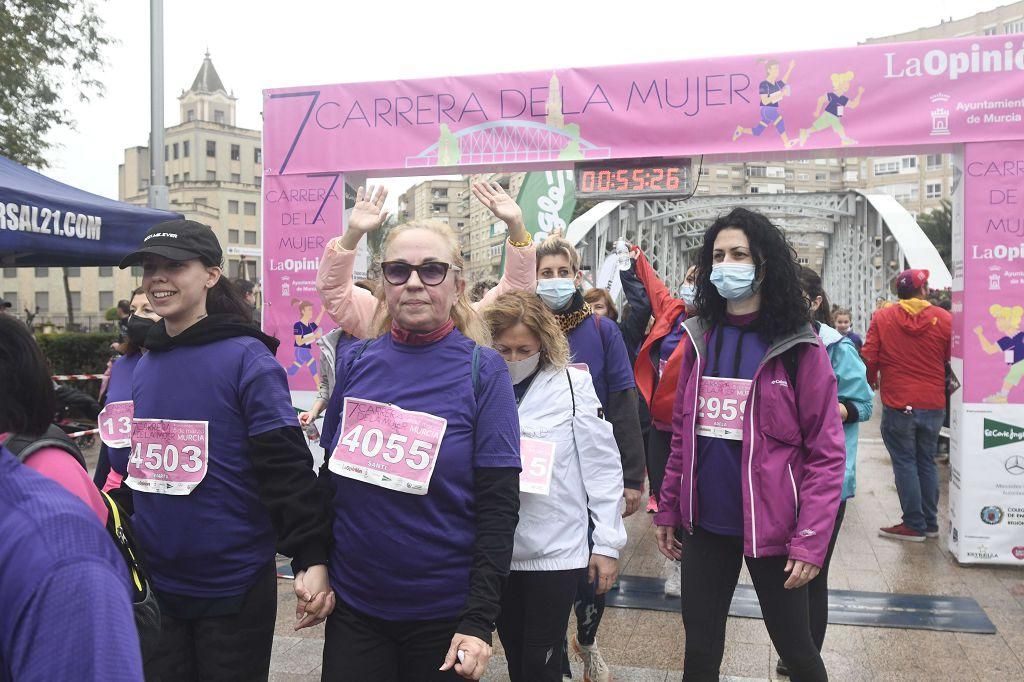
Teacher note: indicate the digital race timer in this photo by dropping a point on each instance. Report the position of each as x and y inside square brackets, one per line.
[638, 177]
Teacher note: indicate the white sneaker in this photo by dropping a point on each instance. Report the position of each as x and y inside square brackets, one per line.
[594, 667]
[673, 574]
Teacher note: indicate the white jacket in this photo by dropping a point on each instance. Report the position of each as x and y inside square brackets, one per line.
[587, 472]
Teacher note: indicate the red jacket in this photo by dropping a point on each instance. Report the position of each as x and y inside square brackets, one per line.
[909, 343]
[666, 310]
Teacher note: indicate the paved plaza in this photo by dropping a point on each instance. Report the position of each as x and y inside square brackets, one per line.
[644, 646]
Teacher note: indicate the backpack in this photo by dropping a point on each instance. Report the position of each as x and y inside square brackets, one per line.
[144, 604]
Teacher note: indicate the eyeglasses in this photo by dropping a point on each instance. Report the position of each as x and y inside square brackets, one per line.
[431, 273]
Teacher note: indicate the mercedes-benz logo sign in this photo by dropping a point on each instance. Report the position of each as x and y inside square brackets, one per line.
[1015, 465]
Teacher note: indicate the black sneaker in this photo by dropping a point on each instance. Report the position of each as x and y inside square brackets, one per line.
[932, 532]
[781, 668]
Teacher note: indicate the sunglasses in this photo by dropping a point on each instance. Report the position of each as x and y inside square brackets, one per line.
[431, 274]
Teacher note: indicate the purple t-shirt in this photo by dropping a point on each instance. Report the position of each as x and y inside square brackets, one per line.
[719, 496]
[603, 351]
[300, 328]
[834, 102]
[399, 556]
[670, 342]
[66, 614]
[119, 388]
[1015, 344]
[213, 542]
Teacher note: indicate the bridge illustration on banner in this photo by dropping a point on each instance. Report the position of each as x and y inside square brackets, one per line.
[510, 141]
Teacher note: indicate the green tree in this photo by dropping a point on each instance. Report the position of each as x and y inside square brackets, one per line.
[48, 49]
[937, 225]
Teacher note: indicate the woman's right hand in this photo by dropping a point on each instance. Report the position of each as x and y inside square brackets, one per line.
[667, 542]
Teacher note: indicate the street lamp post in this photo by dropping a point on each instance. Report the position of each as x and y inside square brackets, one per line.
[157, 187]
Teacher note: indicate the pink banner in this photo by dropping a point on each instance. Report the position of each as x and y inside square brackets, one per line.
[301, 213]
[992, 341]
[871, 96]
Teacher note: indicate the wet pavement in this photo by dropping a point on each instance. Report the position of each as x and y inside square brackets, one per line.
[648, 645]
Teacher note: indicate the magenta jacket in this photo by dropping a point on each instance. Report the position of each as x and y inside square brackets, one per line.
[794, 455]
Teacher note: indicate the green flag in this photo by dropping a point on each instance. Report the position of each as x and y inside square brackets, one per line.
[548, 199]
[999, 433]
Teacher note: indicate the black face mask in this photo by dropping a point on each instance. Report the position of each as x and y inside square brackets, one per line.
[138, 327]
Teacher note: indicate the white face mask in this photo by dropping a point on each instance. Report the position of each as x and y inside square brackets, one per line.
[556, 293]
[520, 369]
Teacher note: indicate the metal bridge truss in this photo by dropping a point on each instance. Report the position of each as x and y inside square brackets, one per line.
[860, 256]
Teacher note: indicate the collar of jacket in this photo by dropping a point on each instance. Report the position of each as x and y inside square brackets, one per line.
[698, 327]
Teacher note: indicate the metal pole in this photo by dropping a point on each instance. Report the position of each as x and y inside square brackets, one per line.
[157, 186]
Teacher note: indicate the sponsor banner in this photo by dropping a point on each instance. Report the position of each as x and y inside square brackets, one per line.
[868, 97]
[301, 213]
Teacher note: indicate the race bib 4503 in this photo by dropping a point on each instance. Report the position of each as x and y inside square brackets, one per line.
[387, 446]
[169, 457]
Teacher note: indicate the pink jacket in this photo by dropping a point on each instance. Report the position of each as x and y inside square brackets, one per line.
[354, 308]
[794, 455]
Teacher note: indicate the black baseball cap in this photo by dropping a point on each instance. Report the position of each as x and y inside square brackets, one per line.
[178, 240]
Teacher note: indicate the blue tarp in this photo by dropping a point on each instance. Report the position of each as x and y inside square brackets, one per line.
[47, 223]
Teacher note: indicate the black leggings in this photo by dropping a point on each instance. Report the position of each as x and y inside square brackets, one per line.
[711, 569]
[534, 614]
[230, 647]
[817, 589]
[359, 647]
[659, 443]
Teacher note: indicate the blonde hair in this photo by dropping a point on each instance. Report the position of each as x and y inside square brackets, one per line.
[466, 319]
[510, 309]
[840, 79]
[1013, 314]
[594, 295]
[558, 246]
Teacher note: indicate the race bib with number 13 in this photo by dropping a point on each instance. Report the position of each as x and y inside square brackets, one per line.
[115, 423]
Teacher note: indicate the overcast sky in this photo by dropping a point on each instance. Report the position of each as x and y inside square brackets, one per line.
[258, 44]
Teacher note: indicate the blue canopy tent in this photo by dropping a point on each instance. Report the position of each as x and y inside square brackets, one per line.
[47, 223]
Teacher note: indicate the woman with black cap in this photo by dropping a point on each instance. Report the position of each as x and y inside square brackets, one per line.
[219, 469]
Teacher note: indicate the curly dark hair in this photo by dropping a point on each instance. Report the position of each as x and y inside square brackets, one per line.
[810, 281]
[783, 307]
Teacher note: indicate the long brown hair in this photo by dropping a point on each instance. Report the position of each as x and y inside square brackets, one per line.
[510, 309]
[466, 319]
[594, 295]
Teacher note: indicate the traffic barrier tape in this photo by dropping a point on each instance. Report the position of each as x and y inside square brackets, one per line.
[76, 377]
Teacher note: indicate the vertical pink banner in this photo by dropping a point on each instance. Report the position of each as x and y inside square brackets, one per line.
[992, 340]
[301, 213]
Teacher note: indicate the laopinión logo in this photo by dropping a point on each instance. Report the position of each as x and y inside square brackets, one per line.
[998, 433]
[991, 515]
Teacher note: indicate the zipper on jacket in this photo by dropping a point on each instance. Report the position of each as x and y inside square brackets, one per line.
[693, 440]
[750, 461]
[796, 498]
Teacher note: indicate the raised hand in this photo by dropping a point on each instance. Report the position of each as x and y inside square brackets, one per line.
[497, 200]
[368, 214]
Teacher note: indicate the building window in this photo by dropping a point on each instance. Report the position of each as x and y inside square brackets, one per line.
[191, 116]
[200, 200]
[236, 177]
[819, 177]
[933, 190]
[42, 272]
[174, 178]
[755, 190]
[887, 168]
[257, 156]
[1015, 26]
[218, 116]
[233, 235]
[250, 208]
[211, 176]
[438, 208]
[106, 271]
[757, 172]
[185, 176]
[43, 301]
[250, 237]
[12, 298]
[901, 192]
[909, 162]
[174, 147]
[258, 181]
[989, 31]
[185, 148]
[76, 301]
[722, 173]
[10, 272]
[233, 207]
[803, 177]
[136, 271]
[166, 152]
[106, 301]
[236, 152]
[934, 161]
[211, 148]
[74, 272]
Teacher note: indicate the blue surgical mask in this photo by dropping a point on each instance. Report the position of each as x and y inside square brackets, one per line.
[734, 281]
[688, 293]
[556, 293]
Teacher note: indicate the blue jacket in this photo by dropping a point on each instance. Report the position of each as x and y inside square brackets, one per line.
[854, 392]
